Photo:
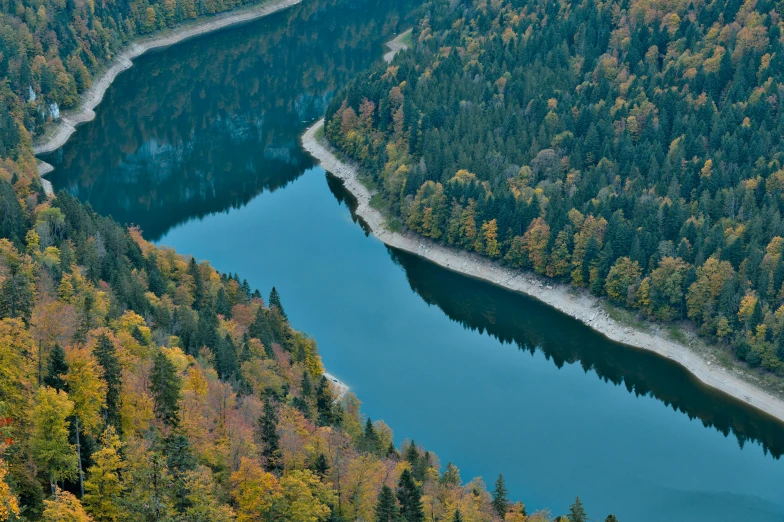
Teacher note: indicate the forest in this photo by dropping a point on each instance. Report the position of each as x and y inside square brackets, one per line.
[141, 385]
[629, 147]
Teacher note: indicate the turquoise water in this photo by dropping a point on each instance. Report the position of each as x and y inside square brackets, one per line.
[197, 144]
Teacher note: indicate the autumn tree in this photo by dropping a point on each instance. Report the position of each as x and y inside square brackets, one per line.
[64, 507]
[103, 497]
[52, 451]
[87, 390]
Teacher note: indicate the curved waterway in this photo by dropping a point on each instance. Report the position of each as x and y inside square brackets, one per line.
[198, 145]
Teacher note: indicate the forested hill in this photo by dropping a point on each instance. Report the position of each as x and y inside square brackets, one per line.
[629, 147]
[140, 385]
[51, 49]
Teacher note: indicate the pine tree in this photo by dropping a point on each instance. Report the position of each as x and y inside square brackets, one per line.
[106, 354]
[386, 506]
[500, 500]
[57, 369]
[165, 389]
[577, 512]
[274, 302]
[457, 517]
[268, 425]
[410, 498]
[610, 518]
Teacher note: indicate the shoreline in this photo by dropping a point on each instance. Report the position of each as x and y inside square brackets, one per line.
[59, 133]
[581, 306]
[339, 386]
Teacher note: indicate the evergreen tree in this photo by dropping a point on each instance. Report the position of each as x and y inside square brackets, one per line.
[370, 441]
[320, 465]
[56, 369]
[610, 518]
[198, 284]
[106, 355]
[410, 498]
[457, 517]
[179, 461]
[500, 500]
[386, 506]
[577, 512]
[165, 389]
[274, 302]
[325, 404]
[268, 426]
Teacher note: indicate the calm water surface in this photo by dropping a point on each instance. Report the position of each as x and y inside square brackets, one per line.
[197, 144]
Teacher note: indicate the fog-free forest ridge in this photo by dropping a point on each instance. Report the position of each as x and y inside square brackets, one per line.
[580, 306]
[60, 131]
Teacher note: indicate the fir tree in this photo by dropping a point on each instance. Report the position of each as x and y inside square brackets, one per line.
[410, 498]
[386, 506]
[106, 355]
[165, 389]
[57, 369]
[370, 441]
[268, 425]
[500, 500]
[325, 404]
[274, 302]
[320, 465]
[457, 517]
[577, 512]
[610, 518]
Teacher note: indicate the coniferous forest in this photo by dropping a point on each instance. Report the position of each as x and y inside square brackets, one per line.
[632, 148]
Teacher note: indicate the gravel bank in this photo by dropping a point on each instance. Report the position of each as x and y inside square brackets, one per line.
[579, 305]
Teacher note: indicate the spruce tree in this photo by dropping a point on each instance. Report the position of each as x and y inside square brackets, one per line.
[106, 355]
[325, 404]
[370, 441]
[577, 512]
[165, 389]
[457, 517]
[610, 518]
[198, 284]
[386, 506]
[268, 425]
[56, 369]
[410, 498]
[274, 302]
[500, 500]
[320, 465]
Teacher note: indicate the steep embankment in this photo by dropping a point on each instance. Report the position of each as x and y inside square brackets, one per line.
[579, 305]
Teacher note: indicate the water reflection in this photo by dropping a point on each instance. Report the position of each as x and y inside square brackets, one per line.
[518, 320]
[205, 127]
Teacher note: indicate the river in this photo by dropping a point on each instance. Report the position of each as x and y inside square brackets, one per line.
[198, 145]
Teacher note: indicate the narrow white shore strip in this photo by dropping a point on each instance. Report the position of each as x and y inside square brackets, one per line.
[579, 305]
[339, 386]
[66, 126]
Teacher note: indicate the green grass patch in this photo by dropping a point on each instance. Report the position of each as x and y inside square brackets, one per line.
[677, 335]
[320, 135]
[407, 39]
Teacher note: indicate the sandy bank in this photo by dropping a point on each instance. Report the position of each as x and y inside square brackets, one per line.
[579, 305]
[59, 133]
